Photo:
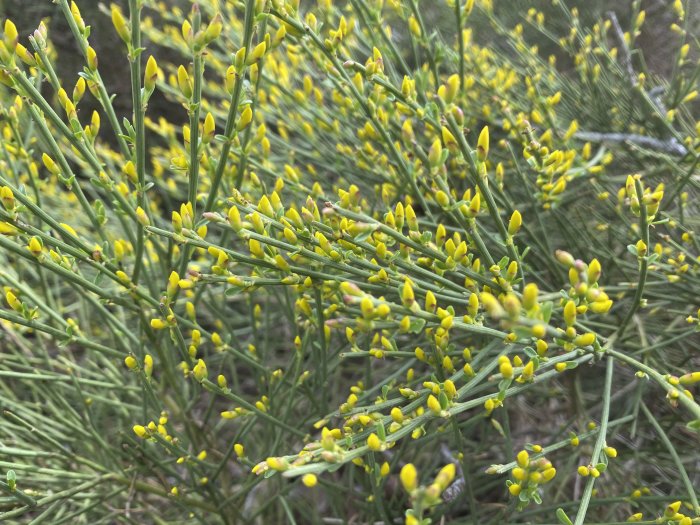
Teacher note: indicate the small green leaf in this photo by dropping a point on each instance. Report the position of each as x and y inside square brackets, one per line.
[563, 518]
[531, 353]
[498, 427]
[547, 311]
[11, 479]
[694, 425]
[417, 326]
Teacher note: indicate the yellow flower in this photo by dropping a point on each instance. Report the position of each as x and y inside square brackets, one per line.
[147, 365]
[523, 459]
[310, 480]
[409, 477]
[516, 221]
[374, 443]
[482, 145]
[200, 370]
[506, 368]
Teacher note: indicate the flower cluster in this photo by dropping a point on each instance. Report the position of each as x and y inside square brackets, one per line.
[363, 239]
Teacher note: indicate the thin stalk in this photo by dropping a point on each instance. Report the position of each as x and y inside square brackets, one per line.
[135, 52]
[230, 128]
[460, 43]
[600, 442]
[194, 111]
[643, 261]
[677, 460]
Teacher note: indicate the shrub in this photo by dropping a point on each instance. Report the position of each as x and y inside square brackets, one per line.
[369, 271]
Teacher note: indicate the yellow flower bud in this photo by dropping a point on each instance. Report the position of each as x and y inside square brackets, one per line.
[530, 296]
[214, 29]
[482, 145]
[442, 199]
[407, 295]
[150, 75]
[690, 378]
[519, 473]
[12, 300]
[549, 474]
[11, 35]
[120, 24]
[50, 164]
[276, 464]
[475, 205]
[141, 216]
[208, 128]
[611, 452]
[516, 221]
[309, 480]
[257, 53]
[434, 404]
[200, 370]
[506, 369]
[585, 339]
[445, 476]
[158, 324]
[594, 271]
[374, 443]
[409, 477]
[570, 313]
[435, 154]
[183, 82]
[600, 307]
[35, 246]
[523, 459]
[91, 57]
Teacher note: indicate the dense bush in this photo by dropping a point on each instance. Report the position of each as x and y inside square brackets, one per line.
[388, 262]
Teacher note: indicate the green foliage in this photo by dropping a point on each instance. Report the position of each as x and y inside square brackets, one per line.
[367, 271]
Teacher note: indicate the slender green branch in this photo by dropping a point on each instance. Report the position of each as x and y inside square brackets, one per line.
[599, 444]
[643, 261]
[135, 52]
[230, 127]
[676, 459]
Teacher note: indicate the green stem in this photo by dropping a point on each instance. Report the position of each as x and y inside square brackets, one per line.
[194, 111]
[684, 400]
[676, 459]
[230, 129]
[460, 43]
[643, 261]
[104, 98]
[391, 148]
[482, 184]
[135, 52]
[600, 442]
